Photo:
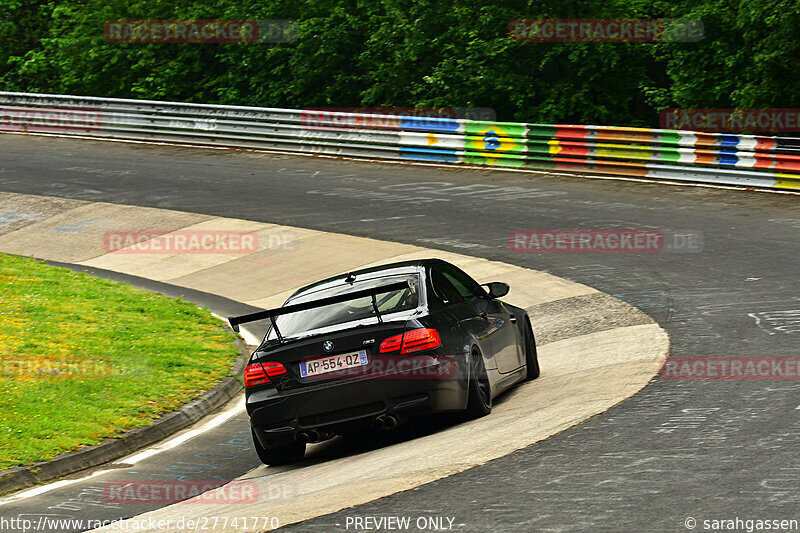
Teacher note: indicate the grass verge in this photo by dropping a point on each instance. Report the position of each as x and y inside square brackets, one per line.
[83, 359]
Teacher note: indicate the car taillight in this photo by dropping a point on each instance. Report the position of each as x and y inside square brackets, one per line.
[392, 344]
[412, 341]
[255, 375]
[420, 339]
[273, 369]
[259, 373]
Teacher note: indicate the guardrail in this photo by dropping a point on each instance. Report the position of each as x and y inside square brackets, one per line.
[744, 160]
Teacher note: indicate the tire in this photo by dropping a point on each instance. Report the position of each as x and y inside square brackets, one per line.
[279, 455]
[531, 358]
[480, 395]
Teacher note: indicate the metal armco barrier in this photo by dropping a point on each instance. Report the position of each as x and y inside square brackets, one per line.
[744, 160]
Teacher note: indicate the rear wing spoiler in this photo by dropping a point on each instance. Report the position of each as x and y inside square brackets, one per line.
[234, 321]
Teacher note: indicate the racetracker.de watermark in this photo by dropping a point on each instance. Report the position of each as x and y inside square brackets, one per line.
[50, 369]
[615, 241]
[731, 368]
[181, 242]
[45, 523]
[168, 492]
[606, 30]
[390, 117]
[49, 119]
[386, 367]
[719, 120]
[200, 31]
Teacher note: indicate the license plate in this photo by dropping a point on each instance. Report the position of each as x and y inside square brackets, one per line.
[332, 363]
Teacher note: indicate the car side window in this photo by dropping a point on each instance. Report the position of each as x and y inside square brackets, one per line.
[444, 287]
[467, 287]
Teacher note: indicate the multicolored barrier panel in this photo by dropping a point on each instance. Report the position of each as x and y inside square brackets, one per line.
[678, 155]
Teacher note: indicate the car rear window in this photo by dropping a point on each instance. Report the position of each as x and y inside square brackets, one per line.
[296, 324]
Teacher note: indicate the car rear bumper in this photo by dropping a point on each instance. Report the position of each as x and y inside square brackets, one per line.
[279, 417]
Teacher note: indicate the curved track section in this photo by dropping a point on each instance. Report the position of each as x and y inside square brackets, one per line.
[585, 370]
[678, 449]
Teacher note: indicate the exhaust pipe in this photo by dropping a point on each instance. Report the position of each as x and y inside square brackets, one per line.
[309, 437]
[384, 422]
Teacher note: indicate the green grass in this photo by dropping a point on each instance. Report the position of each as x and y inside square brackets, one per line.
[83, 359]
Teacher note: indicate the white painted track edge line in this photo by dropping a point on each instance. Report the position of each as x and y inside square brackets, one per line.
[234, 407]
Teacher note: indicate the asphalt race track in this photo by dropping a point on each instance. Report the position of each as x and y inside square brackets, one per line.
[679, 449]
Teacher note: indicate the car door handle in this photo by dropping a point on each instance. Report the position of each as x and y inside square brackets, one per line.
[513, 319]
[483, 314]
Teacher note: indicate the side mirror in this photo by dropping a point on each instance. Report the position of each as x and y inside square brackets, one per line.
[496, 289]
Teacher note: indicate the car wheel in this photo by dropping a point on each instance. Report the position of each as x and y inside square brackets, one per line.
[480, 393]
[279, 455]
[531, 358]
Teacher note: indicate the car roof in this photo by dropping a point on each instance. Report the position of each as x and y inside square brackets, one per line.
[389, 269]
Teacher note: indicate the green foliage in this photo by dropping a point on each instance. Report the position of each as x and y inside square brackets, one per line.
[83, 359]
[353, 53]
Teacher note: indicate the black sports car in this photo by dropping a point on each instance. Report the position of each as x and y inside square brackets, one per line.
[377, 346]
